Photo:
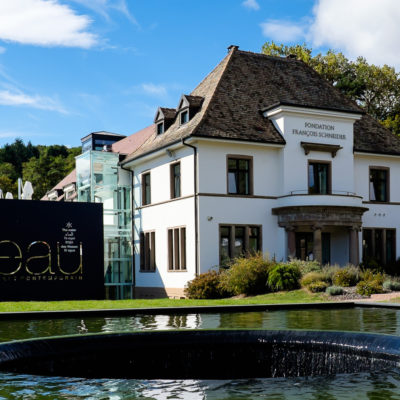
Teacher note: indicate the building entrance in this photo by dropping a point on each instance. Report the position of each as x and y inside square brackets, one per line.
[305, 245]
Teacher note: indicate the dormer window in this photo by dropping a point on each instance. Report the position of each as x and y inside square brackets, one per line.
[188, 107]
[160, 128]
[184, 117]
[164, 119]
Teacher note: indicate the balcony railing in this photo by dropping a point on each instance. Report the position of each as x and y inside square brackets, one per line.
[334, 198]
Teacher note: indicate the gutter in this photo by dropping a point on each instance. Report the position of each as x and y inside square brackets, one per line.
[196, 208]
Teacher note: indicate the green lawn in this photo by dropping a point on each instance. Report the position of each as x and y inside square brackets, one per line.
[296, 296]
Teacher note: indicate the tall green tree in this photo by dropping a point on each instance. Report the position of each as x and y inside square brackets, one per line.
[17, 153]
[375, 89]
[43, 166]
[45, 171]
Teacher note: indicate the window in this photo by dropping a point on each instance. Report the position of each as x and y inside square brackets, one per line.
[184, 117]
[146, 189]
[175, 172]
[236, 240]
[379, 184]
[379, 245]
[160, 128]
[240, 175]
[148, 251]
[177, 249]
[319, 177]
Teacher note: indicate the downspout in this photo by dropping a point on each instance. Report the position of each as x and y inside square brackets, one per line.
[196, 208]
[133, 228]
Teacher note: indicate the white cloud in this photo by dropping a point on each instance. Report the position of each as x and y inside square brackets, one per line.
[280, 30]
[366, 28]
[18, 98]
[103, 7]
[2, 50]
[44, 23]
[251, 4]
[154, 90]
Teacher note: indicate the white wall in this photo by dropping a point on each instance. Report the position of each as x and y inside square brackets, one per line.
[294, 128]
[233, 211]
[380, 215]
[213, 163]
[164, 213]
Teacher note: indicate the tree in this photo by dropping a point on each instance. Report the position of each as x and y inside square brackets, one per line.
[49, 168]
[375, 89]
[7, 185]
[43, 166]
[17, 153]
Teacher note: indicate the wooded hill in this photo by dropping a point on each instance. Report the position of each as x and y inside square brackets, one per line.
[43, 166]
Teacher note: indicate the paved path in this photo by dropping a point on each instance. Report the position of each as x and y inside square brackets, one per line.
[383, 296]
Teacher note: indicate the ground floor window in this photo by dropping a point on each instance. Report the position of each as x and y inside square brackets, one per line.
[379, 245]
[177, 249]
[148, 251]
[235, 240]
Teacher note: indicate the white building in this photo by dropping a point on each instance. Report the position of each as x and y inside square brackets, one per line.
[263, 155]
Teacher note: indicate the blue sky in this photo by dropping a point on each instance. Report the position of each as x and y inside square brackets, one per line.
[71, 67]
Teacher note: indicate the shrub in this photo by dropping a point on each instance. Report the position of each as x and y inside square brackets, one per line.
[206, 286]
[317, 286]
[366, 288]
[371, 275]
[305, 266]
[284, 277]
[371, 283]
[392, 285]
[334, 290]
[347, 276]
[312, 277]
[247, 275]
[329, 271]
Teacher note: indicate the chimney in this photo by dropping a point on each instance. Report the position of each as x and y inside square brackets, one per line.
[232, 47]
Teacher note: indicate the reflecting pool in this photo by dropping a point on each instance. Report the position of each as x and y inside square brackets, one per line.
[374, 320]
[383, 385]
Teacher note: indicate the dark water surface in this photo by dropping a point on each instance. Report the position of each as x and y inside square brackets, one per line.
[383, 385]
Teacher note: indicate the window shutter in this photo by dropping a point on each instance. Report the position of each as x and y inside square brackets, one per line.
[142, 251]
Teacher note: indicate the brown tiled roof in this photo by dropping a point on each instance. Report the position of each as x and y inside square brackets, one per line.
[169, 113]
[133, 142]
[70, 178]
[194, 101]
[244, 84]
[371, 137]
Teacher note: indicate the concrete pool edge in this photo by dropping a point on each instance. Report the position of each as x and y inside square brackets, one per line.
[191, 310]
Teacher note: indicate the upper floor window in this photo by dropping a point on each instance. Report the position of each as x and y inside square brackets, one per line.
[319, 177]
[184, 117]
[160, 128]
[240, 175]
[379, 184]
[175, 171]
[146, 189]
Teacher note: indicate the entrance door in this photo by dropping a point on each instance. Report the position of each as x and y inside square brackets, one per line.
[305, 245]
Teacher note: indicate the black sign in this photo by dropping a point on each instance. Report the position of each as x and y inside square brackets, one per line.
[51, 250]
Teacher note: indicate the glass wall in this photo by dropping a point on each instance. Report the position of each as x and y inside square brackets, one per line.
[98, 181]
